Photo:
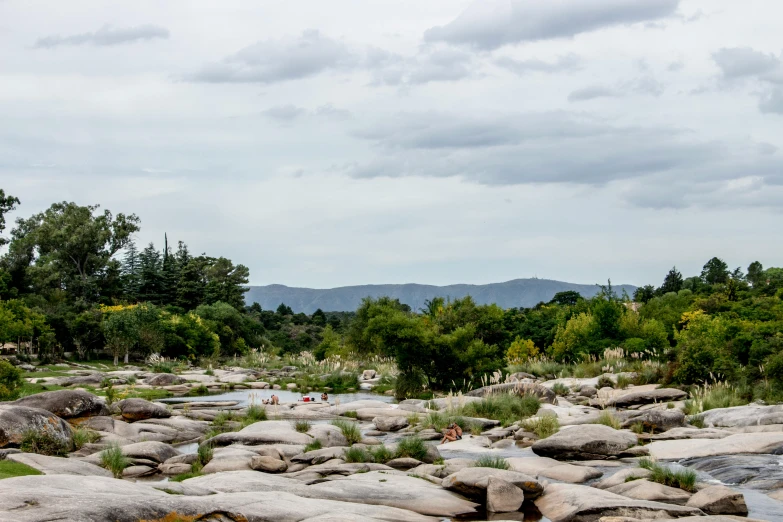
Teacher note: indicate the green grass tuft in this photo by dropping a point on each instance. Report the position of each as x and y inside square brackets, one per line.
[607, 419]
[412, 447]
[350, 430]
[506, 408]
[315, 445]
[82, 436]
[43, 443]
[543, 427]
[684, 479]
[113, 460]
[302, 426]
[488, 461]
[10, 469]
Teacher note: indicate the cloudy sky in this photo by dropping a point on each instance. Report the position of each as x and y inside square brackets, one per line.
[391, 141]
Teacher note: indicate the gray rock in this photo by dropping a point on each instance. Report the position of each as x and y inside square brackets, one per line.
[268, 464]
[139, 471]
[642, 397]
[691, 433]
[139, 409]
[16, 420]
[390, 423]
[586, 442]
[164, 379]
[473, 482]
[174, 468]
[319, 456]
[719, 500]
[403, 463]
[58, 465]
[752, 471]
[622, 476]
[503, 497]
[66, 404]
[749, 415]
[761, 443]
[643, 489]
[655, 420]
[156, 452]
[552, 469]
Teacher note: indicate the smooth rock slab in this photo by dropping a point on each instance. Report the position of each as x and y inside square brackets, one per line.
[659, 395]
[753, 471]
[550, 468]
[622, 476]
[643, 489]
[719, 500]
[66, 404]
[473, 482]
[58, 465]
[587, 442]
[139, 409]
[572, 503]
[763, 443]
[749, 415]
[503, 497]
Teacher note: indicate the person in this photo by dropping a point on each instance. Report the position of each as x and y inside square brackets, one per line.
[457, 430]
[274, 399]
[265, 401]
[324, 397]
[453, 432]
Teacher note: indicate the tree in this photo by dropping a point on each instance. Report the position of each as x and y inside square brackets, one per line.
[150, 285]
[330, 344]
[573, 340]
[672, 282]
[11, 380]
[121, 329]
[644, 293]
[226, 282]
[284, 310]
[521, 351]
[569, 297]
[318, 318]
[131, 272]
[192, 283]
[7, 204]
[715, 271]
[71, 247]
[756, 274]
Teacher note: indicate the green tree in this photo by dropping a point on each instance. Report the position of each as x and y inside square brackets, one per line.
[151, 280]
[7, 204]
[121, 329]
[227, 283]
[756, 274]
[131, 272]
[715, 271]
[521, 351]
[569, 297]
[644, 293]
[284, 310]
[318, 318]
[11, 381]
[574, 339]
[672, 282]
[329, 345]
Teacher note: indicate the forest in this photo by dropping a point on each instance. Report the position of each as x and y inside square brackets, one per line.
[72, 280]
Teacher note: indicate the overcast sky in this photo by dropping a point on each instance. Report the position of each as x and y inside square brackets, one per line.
[328, 143]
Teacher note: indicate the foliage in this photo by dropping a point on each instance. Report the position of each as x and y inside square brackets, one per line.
[313, 446]
[82, 436]
[350, 430]
[542, 426]
[354, 454]
[489, 461]
[506, 408]
[607, 419]
[521, 351]
[11, 381]
[412, 447]
[10, 469]
[43, 443]
[560, 389]
[684, 479]
[302, 426]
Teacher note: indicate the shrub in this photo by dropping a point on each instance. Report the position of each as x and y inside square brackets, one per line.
[82, 436]
[113, 460]
[622, 382]
[412, 447]
[381, 454]
[11, 381]
[560, 389]
[605, 382]
[697, 421]
[43, 443]
[521, 351]
[353, 455]
[350, 414]
[315, 445]
[487, 461]
[198, 391]
[637, 427]
[302, 426]
[684, 479]
[254, 413]
[543, 427]
[204, 454]
[349, 429]
[607, 419]
[185, 476]
[340, 381]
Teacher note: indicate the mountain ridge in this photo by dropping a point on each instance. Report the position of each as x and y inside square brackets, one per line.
[509, 294]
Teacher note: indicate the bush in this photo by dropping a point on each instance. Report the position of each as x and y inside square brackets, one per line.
[607, 419]
[302, 426]
[113, 460]
[82, 436]
[349, 429]
[409, 385]
[43, 443]
[506, 408]
[315, 445]
[254, 414]
[353, 455]
[198, 391]
[381, 454]
[622, 382]
[637, 427]
[543, 427]
[11, 381]
[560, 389]
[605, 382]
[684, 479]
[487, 461]
[204, 454]
[412, 447]
[350, 414]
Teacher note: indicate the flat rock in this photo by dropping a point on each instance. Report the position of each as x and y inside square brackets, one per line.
[739, 416]
[139, 409]
[622, 476]
[719, 500]
[503, 497]
[58, 465]
[643, 489]
[752, 471]
[552, 469]
[390, 423]
[473, 482]
[268, 464]
[590, 441]
[164, 379]
[570, 502]
[265, 432]
[691, 433]
[655, 420]
[66, 404]
[769, 443]
[658, 395]
[153, 451]
[15, 420]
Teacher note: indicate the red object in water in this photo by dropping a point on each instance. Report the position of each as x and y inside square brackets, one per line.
[306, 399]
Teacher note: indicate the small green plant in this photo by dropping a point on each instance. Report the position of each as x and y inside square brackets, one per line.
[670, 405]
[353, 455]
[209, 372]
[254, 414]
[637, 427]
[113, 460]
[684, 479]
[9, 469]
[622, 382]
[505, 407]
[82, 436]
[315, 445]
[111, 394]
[413, 419]
[198, 391]
[560, 389]
[605, 382]
[185, 476]
[412, 447]
[475, 428]
[43, 443]
[350, 430]
[11, 381]
[350, 414]
[381, 454]
[204, 454]
[302, 426]
[607, 419]
[488, 461]
[697, 421]
[543, 426]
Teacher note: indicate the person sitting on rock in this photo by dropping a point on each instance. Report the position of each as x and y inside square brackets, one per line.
[450, 435]
[457, 430]
[274, 399]
[324, 397]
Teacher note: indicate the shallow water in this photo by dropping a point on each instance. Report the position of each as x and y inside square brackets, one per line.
[244, 397]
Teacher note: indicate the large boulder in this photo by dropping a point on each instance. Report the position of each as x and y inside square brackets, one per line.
[266, 432]
[66, 404]
[502, 496]
[164, 379]
[764, 443]
[516, 388]
[586, 442]
[16, 420]
[749, 415]
[569, 502]
[655, 420]
[473, 482]
[643, 489]
[58, 465]
[390, 423]
[139, 409]
[719, 500]
[641, 397]
[552, 469]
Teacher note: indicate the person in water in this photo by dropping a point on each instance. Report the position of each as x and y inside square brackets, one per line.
[274, 399]
[324, 397]
[453, 432]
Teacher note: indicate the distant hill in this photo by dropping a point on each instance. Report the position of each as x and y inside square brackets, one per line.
[511, 294]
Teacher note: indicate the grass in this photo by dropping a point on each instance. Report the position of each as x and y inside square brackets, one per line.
[186, 476]
[381, 454]
[43, 443]
[697, 421]
[684, 479]
[204, 454]
[488, 461]
[254, 414]
[350, 430]
[412, 447]
[113, 460]
[543, 427]
[350, 414]
[315, 445]
[605, 382]
[302, 426]
[712, 396]
[82, 436]
[504, 407]
[560, 389]
[637, 427]
[622, 382]
[10, 469]
[353, 455]
[198, 391]
[607, 419]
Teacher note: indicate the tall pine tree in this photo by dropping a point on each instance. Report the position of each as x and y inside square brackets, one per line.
[151, 276]
[131, 272]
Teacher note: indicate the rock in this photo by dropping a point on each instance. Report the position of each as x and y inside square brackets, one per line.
[642, 397]
[16, 420]
[472, 482]
[691, 433]
[588, 391]
[622, 476]
[518, 388]
[569, 502]
[174, 468]
[93, 379]
[589, 441]
[503, 497]
[368, 374]
[552, 469]
[719, 500]
[268, 464]
[390, 423]
[265, 432]
[518, 376]
[752, 471]
[404, 463]
[643, 489]
[748, 415]
[157, 452]
[765, 443]
[58, 465]
[139, 409]
[164, 379]
[450, 467]
[138, 471]
[95, 499]
[655, 420]
[329, 435]
[66, 404]
[319, 456]
[290, 386]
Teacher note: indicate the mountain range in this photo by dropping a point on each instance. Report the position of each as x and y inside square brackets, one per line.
[511, 294]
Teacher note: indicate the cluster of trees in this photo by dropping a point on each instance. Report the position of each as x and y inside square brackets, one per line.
[73, 279]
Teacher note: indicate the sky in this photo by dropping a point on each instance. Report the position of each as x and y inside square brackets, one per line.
[347, 142]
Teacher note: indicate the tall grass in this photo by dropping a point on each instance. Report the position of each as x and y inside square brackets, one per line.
[82, 436]
[607, 419]
[302, 426]
[684, 479]
[506, 408]
[43, 443]
[113, 460]
[543, 427]
[350, 430]
[488, 461]
[712, 396]
[560, 389]
[412, 447]
[312, 446]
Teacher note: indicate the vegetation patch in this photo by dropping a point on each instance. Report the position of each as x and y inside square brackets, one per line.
[412, 447]
[350, 430]
[312, 446]
[543, 426]
[302, 426]
[113, 460]
[684, 479]
[607, 419]
[43, 443]
[488, 461]
[505, 407]
[82, 436]
[9, 469]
